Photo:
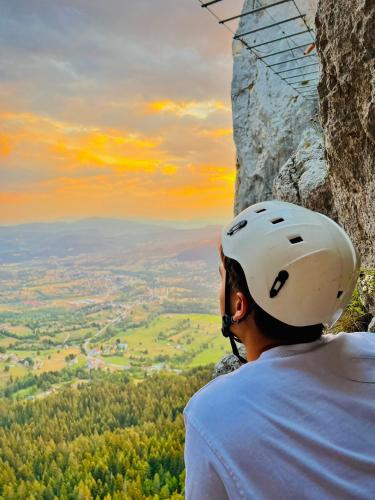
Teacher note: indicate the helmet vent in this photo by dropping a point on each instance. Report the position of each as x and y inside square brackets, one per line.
[260, 210]
[339, 293]
[237, 227]
[279, 283]
[277, 221]
[295, 239]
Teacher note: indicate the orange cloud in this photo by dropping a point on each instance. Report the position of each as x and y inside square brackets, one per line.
[83, 171]
[103, 156]
[169, 169]
[217, 132]
[76, 146]
[214, 173]
[28, 121]
[195, 109]
[5, 147]
[195, 191]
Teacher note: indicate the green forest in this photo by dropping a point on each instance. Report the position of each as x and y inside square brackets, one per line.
[111, 438]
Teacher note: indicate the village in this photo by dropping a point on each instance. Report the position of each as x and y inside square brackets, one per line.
[83, 313]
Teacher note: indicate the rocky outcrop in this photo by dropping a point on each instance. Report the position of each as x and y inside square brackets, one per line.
[366, 289]
[279, 152]
[346, 46]
[229, 363]
[269, 117]
[304, 179]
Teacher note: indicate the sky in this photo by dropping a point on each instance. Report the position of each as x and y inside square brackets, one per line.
[115, 108]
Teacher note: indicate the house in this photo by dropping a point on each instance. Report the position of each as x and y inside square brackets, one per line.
[121, 346]
[95, 363]
[94, 352]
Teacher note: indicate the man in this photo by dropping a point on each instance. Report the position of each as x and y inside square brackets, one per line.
[296, 420]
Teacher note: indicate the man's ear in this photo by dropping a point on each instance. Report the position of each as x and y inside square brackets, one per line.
[241, 307]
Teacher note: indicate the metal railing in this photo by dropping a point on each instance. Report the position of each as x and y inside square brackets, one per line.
[305, 63]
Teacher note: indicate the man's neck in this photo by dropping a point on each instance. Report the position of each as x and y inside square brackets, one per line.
[255, 345]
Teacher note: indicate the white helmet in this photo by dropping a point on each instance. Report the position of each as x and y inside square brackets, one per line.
[300, 266]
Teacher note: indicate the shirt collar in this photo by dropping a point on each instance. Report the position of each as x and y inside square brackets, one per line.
[292, 349]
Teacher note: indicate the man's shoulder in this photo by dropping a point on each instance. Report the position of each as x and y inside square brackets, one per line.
[353, 344]
[258, 383]
[356, 356]
[358, 340]
[219, 395]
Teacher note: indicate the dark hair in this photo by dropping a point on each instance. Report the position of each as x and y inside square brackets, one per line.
[267, 324]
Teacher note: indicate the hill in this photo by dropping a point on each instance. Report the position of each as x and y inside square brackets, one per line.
[25, 242]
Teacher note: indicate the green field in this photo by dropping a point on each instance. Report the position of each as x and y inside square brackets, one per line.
[157, 342]
[75, 316]
[180, 340]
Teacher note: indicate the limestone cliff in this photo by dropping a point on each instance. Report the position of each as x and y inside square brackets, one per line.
[269, 118]
[303, 179]
[282, 151]
[346, 45]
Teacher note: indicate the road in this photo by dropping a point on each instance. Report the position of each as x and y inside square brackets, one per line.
[118, 318]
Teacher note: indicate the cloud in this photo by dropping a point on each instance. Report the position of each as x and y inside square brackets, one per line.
[164, 196]
[73, 145]
[200, 110]
[217, 133]
[5, 147]
[169, 169]
[109, 108]
[113, 48]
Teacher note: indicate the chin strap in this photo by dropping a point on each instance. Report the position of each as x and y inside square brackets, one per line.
[227, 321]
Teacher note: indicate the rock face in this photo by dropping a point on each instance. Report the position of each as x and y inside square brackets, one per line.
[346, 45]
[229, 363]
[269, 117]
[304, 179]
[280, 152]
[366, 289]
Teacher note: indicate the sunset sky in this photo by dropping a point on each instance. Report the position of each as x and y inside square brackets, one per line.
[115, 108]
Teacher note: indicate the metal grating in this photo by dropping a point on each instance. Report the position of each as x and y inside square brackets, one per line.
[299, 63]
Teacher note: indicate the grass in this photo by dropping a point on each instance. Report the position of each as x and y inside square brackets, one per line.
[181, 340]
[80, 334]
[194, 336]
[356, 316]
[15, 371]
[57, 361]
[24, 393]
[7, 341]
[116, 360]
[213, 354]
[19, 330]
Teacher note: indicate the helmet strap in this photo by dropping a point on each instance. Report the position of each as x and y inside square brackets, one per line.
[228, 320]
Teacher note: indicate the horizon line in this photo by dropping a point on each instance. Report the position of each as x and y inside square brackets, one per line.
[195, 222]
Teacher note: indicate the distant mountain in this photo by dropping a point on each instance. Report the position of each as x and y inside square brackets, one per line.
[207, 251]
[25, 242]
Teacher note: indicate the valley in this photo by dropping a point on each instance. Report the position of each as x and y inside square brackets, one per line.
[112, 309]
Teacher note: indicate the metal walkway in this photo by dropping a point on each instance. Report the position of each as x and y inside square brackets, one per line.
[297, 65]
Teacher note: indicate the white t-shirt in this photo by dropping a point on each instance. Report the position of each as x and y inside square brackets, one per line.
[297, 423]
